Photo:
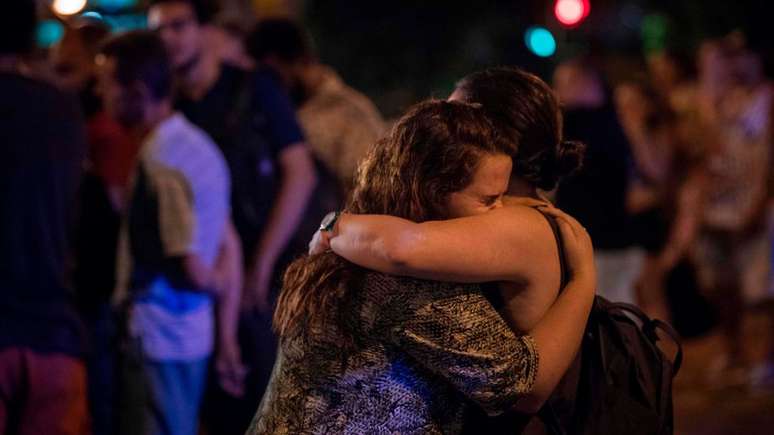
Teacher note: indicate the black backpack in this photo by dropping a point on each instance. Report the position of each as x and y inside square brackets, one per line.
[621, 382]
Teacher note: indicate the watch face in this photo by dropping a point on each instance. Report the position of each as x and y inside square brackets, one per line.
[328, 221]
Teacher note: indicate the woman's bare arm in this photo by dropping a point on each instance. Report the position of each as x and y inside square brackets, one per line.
[500, 245]
[484, 248]
[559, 333]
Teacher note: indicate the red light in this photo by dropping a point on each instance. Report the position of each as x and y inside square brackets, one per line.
[571, 12]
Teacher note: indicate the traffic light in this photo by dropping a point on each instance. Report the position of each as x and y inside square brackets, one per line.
[540, 41]
[571, 12]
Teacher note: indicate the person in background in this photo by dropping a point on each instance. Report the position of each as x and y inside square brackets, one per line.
[72, 59]
[253, 121]
[42, 373]
[111, 151]
[756, 91]
[176, 221]
[733, 249]
[665, 193]
[228, 38]
[109, 160]
[672, 78]
[340, 123]
[597, 194]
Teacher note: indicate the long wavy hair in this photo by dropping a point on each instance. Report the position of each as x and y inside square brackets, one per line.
[431, 152]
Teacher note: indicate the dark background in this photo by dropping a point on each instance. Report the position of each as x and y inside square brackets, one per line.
[401, 51]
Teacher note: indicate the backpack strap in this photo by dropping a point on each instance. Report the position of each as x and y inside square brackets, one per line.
[650, 326]
[564, 270]
[547, 413]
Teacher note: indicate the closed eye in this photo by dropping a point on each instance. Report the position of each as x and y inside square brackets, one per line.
[490, 200]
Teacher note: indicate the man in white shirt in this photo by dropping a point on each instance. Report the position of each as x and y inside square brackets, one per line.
[177, 219]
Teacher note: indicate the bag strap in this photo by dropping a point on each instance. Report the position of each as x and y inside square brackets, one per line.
[564, 270]
[650, 326]
[547, 413]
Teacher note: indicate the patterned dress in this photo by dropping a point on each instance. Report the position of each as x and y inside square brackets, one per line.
[425, 351]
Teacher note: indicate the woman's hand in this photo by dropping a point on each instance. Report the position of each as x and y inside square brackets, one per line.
[579, 250]
[321, 242]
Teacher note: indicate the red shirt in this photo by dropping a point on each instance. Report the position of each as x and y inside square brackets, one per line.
[112, 150]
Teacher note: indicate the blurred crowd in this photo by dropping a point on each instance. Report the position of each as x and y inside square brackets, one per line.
[676, 190]
[238, 141]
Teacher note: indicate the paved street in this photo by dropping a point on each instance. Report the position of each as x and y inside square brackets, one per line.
[701, 409]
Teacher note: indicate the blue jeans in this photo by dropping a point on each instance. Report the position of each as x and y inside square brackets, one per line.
[175, 390]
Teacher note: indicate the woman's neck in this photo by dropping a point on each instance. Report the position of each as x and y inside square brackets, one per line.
[519, 187]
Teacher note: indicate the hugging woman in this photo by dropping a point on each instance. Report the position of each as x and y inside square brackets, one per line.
[366, 352]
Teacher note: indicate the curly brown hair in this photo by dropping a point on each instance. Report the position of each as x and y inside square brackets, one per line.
[431, 152]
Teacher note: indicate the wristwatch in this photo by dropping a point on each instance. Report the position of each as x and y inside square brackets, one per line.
[329, 221]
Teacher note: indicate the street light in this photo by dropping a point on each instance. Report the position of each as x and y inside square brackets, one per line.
[68, 7]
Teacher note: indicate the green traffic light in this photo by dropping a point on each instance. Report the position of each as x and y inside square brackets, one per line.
[540, 41]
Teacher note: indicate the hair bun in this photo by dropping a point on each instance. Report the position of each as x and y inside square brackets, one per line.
[569, 157]
[566, 159]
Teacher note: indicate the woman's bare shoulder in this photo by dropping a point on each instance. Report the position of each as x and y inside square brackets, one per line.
[521, 219]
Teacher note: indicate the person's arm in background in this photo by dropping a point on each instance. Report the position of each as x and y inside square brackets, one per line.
[681, 236]
[185, 224]
[228, 281]
[178, 229]
[687, 219]
[298, 179]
